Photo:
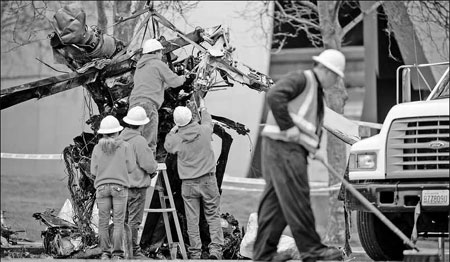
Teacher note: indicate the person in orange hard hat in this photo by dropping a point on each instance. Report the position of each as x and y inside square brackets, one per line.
[292, 132]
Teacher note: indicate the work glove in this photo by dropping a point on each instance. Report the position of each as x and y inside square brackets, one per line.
[292, 134]
[174, 129]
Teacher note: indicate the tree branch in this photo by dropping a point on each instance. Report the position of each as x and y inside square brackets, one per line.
[293, 18]
[359, 18]
[310, 5]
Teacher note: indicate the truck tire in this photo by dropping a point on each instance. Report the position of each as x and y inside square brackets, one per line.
[379, 242]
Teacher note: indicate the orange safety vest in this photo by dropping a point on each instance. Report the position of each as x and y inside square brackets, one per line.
[303, 111]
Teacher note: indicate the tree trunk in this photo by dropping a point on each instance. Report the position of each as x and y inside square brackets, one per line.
[409, 44]
[335, 99]
[123, 31]
[102, 20]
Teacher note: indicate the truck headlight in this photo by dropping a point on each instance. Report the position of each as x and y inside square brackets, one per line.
[363, 161]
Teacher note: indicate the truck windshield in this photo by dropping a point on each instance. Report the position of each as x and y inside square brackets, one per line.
[443, 89]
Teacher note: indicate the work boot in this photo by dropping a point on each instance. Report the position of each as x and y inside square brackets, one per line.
[105, 256]
[281, 257]
[195, 255]
[215, 255]
[139, 255]
[326, 253]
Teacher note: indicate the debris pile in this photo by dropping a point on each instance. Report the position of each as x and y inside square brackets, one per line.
[232, 237]
[9, 236]
[61, 238]
[81, 183]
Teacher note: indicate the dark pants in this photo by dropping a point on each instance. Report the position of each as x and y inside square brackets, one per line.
[285, 200]
[135, 212]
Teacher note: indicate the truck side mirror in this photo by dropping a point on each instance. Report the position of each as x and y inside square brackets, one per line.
[406, 85]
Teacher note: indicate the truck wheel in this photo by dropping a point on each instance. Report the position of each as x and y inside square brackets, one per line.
[379, 242]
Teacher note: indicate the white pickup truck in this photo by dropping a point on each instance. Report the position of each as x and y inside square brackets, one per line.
[404, 171]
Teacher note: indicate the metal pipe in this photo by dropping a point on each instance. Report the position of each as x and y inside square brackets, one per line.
[441, 248]
[369, 205]
[413, 66]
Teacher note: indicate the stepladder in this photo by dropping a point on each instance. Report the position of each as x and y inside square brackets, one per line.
[161, 184]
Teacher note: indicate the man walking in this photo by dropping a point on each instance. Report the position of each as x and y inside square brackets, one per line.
[292, 131]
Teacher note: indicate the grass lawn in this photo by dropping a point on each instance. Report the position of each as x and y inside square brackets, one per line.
[23, 195]
[240, 204]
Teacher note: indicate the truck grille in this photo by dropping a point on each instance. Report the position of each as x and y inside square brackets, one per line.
[418, 147]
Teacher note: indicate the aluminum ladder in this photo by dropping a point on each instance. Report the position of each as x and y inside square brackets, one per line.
[157, 184]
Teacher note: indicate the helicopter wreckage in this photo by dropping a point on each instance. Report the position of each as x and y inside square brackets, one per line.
[104, 66]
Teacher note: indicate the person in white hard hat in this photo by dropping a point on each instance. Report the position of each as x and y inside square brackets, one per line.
[151, 78]
[111, 163]
[140, 178]
[196, 165]
[292, 132]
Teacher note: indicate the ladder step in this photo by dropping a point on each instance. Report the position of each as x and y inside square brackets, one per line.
[159, 210]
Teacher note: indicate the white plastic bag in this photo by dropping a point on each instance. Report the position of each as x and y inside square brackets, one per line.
[286, 245]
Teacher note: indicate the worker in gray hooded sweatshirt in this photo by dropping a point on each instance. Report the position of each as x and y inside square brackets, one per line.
[141, 176]
[151, 78]
[196, 165]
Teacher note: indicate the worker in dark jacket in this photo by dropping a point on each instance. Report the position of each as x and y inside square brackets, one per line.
[140, 178]
[291, 133]
[151, 78]
[196, 165]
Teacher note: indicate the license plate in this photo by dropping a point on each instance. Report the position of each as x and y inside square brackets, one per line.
[435, 198]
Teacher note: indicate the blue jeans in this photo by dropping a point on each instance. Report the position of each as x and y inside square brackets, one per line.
[202, 191]
[150, 132]
[111, 196]
[135, 212]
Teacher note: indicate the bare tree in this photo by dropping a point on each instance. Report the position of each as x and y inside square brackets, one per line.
[434, 18]
[24, 22]
[102, 20]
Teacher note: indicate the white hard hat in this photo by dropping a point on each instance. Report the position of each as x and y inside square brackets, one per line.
[182, 115]
[333, 60]
[136, 116]
[109, 125]
[151, 45]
